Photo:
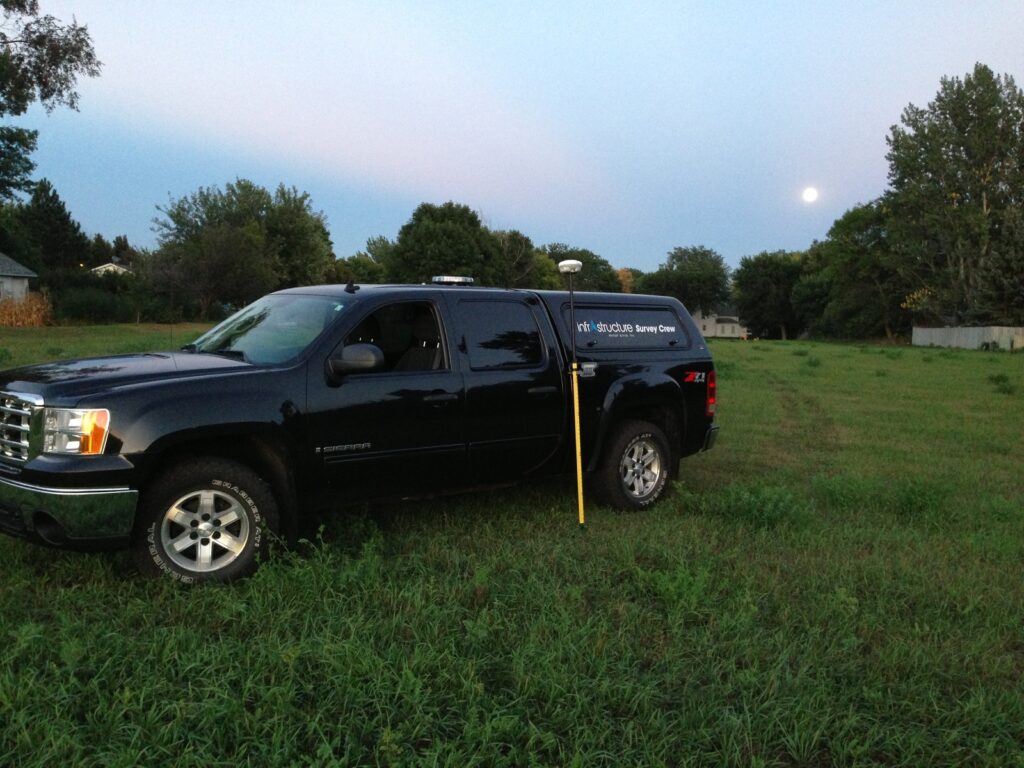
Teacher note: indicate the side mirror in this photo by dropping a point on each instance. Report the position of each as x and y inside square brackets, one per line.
[354, 358]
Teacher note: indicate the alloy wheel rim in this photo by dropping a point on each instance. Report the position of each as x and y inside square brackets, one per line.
[204, 531]
[640, 468]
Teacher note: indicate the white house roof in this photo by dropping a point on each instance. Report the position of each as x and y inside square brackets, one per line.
[110, 266]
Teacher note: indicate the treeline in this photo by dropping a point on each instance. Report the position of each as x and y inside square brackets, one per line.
[220, 248]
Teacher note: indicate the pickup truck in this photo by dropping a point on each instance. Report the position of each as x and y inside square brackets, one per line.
[313, 397]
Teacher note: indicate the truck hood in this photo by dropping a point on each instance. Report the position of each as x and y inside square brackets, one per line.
[76, 378]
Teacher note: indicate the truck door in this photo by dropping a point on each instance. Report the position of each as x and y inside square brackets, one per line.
[515, 393]
[395, 431]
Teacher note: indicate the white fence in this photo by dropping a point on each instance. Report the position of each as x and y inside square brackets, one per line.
[989, 337]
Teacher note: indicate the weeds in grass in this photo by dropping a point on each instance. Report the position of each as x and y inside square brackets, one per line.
[800, 353]
[759, 506]
[813, 362]
[881, 372]
[5, 355]
[1002, 384]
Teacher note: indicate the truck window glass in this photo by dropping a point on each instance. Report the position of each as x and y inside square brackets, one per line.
[627, 328]
[407, 333]
[272, 330]
[500, 334]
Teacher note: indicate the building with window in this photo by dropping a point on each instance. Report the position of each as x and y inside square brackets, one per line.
[723, 323]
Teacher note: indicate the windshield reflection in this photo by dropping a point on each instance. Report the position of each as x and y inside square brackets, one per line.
[272, 330]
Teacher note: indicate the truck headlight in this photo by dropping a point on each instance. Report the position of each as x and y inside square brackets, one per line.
[75, 431]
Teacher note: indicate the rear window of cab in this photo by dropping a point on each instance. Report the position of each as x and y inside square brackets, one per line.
[623, 327]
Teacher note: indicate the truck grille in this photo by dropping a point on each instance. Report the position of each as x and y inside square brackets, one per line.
[15, 415]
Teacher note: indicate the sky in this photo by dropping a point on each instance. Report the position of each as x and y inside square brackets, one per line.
[628, 128]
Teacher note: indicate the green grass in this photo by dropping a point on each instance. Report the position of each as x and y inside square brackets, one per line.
[22, 346]
[840, 581]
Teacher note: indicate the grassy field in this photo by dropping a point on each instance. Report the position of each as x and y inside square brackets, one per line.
[841, 581]
[21, 346]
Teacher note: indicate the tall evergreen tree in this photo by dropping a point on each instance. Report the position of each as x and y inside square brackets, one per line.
[55, 240]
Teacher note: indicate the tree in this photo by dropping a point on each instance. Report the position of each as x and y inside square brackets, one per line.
[300, 237]
[812, 293]
[762, 288]
[368, 266]
[13, 240]
[597, 274]
[956, 173]
[544, 274]
[40, 60]
[851, 286]
[697, 276]
[446, 239]
[1002, 281]
[523, 265]
[630, 278]
[16, 145]
[292, 246]
[101, 251]
[124, 253]
[516, 258]
[55, 240]
[223, 263]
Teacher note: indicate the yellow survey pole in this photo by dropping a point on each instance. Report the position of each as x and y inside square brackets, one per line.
[570, 267]
[579, 449]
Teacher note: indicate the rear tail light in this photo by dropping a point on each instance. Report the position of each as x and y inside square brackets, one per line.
[712, 394]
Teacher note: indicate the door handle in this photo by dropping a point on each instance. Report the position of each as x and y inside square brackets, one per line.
[542, 391]
[440, 398]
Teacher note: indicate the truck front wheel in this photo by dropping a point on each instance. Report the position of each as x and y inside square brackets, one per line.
[636, 466]
[206, 520]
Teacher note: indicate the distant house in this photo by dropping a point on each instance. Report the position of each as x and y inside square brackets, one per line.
[723, 323]
[110, 268]
[13, 279]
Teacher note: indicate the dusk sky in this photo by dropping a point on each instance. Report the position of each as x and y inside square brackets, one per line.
[625, 128]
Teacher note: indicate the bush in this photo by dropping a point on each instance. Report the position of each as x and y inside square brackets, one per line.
[93, 304]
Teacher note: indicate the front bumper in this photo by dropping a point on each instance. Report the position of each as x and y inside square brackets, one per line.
[67, 517]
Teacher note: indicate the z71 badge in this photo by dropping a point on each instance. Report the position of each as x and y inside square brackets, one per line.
[695, 377]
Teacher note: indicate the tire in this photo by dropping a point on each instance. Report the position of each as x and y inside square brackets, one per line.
[636, 466]
[204, 521]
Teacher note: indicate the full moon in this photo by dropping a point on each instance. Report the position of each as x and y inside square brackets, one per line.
[810, 194]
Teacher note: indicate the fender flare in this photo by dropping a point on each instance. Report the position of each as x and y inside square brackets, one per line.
[637, 392]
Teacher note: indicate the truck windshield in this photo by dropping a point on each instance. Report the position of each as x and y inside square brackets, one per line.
[272, 330]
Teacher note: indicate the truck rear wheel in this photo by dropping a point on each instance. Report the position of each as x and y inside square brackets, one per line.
[635, 467]
[204, 521]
